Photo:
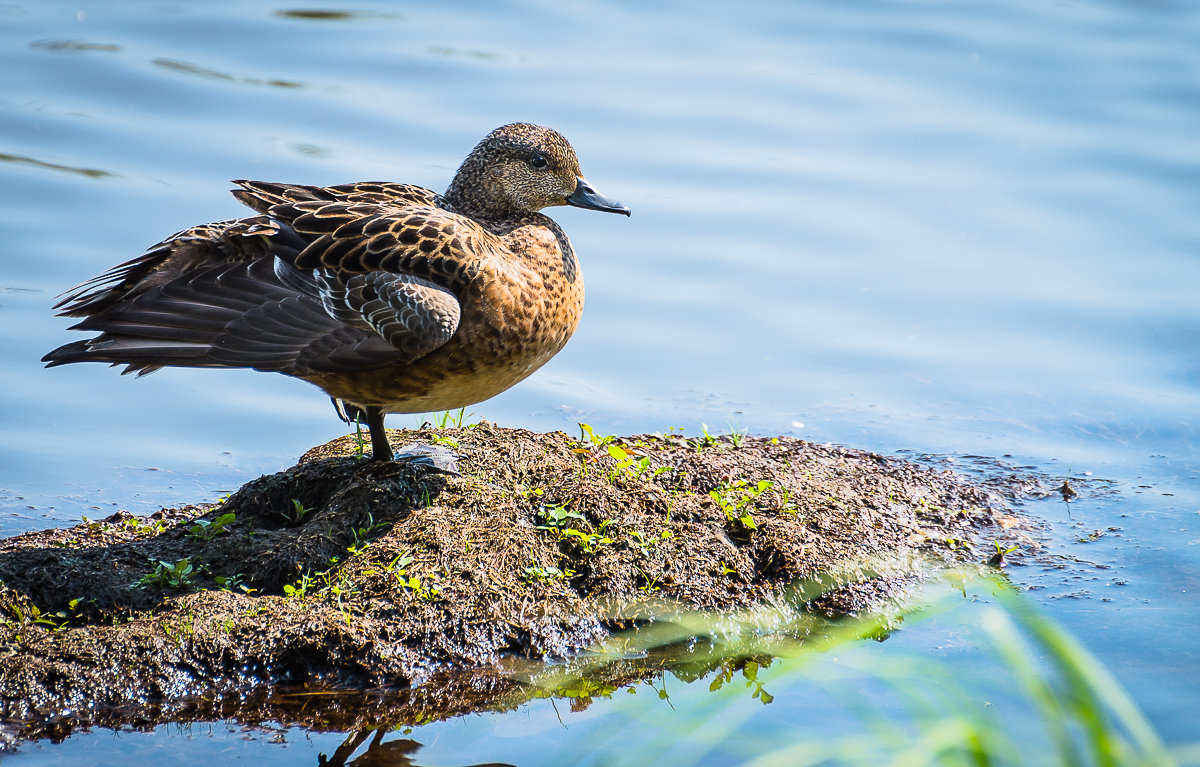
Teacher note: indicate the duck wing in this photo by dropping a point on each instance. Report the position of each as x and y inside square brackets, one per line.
[206, 245]
[385, 257]
[263, 195]
[355, 237]
[228, 241]
[245, 314]
[240, 294]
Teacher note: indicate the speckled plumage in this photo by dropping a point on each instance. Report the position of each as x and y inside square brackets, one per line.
[388, 296]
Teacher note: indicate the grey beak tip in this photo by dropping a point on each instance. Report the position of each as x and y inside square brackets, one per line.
[585, 196]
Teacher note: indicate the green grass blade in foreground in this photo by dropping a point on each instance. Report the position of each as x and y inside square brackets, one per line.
[1048, 702]
[1098, 703]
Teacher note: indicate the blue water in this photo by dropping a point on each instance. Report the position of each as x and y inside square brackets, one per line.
[951, 228]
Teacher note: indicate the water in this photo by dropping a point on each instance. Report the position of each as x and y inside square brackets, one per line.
[947, 228]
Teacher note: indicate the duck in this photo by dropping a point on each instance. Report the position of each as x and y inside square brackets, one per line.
[387, 296]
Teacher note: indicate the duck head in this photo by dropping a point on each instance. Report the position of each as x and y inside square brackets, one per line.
[522, 168]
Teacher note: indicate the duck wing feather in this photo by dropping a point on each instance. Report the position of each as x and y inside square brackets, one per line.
[295, 290]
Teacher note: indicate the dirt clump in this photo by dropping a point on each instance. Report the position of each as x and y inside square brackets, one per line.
[350, 574]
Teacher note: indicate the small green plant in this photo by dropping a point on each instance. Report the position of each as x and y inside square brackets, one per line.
[32, 615]
[449, 442]
[705, 440]
[360, 442]
[541, 574]
[997, 559]
[450, 418]
[339, 588]
[589, 440]
[587, 436]
[649, 582]
[785, 500]
[737, 436]
[297, 513]
[365, 534]
[737, 499]
[589, 543]
[140, 526]
[324, 583]
[398, 569]
[642, 542]
[207, 529]
[180, 630]
[299, 589]
[232, 583]
[646, 542]
[629, 465]
[74, 610]
[167, 575]
[430, 592]
[557, 518]
[531, 492]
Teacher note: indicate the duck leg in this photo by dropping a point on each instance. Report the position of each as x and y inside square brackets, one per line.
[381, 449]
[431, 457]
[420, 455]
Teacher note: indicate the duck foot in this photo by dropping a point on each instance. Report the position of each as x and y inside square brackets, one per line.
[429, 457]
[425, 456]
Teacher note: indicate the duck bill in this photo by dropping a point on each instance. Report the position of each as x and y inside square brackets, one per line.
[585, 196]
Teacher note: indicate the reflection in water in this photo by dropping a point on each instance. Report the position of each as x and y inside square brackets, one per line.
[310, 150]
[1047, 700]
[212, 74]
[318, 15]
[1028, 694]
[89, 172]
[393, 753]
[1038, 697]
[74, 46]
[482, 55]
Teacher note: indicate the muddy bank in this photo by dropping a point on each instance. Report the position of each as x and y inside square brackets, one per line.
[420, 588]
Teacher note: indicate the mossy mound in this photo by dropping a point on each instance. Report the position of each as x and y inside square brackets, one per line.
[346, 573]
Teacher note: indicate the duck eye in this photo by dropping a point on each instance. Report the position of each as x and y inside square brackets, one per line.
[539, 162]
